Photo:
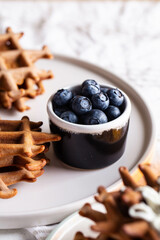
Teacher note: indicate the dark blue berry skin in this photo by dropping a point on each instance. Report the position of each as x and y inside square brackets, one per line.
[90, 87]
[62, 97]
[89, 82]
[70, 103]
[69, 116]
[59, 110]
[95, 116]
[104, 89]
[115, 96]
[100, 101]
[81, 105]
[112, 112]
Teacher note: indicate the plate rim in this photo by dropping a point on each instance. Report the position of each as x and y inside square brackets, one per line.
[61, 224]
[71, 207]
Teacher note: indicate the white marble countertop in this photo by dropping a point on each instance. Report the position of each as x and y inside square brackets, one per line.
[123, 37]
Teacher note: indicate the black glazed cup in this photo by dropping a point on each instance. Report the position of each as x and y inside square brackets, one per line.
[90, 146]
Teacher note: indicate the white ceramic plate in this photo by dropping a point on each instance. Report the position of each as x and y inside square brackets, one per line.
[61, 190]
[73, 224]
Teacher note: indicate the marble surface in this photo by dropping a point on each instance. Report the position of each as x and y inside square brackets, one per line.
[121, 36]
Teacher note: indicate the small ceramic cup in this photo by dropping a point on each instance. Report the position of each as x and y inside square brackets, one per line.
[90, 146]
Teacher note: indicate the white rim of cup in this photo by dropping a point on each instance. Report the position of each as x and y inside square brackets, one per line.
[90, 129]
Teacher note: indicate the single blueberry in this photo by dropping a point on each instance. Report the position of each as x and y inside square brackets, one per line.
[69, 116]
[115, 96]
[59, 110]
[100, 101]
[62, 97]
[89, 82]
[95, 116]
[112, 112]
[81, 105]
[90, 87]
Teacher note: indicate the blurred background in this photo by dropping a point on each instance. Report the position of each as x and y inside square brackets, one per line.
[121, 36]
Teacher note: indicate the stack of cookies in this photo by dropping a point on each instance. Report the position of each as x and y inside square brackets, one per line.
[131, 213]
[20, 79]
[22, 153]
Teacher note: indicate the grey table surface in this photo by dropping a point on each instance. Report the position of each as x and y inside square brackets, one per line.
[122, 37]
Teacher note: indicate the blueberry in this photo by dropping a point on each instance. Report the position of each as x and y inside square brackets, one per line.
[69, 116]
[89, 82]
[62, 97]
[112, 112]
[81, 105]
[70, 103]
[59, 110]
[90, 87]
[104, 89]
[115, 96]
[100, 101]
[95, 116]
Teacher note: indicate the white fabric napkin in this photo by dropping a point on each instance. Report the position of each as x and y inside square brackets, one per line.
[41, 232]
[36, 233]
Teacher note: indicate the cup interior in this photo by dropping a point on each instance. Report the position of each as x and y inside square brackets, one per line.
[92, 129]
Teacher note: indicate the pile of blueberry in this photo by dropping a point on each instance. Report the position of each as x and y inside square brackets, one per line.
[89, 104]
